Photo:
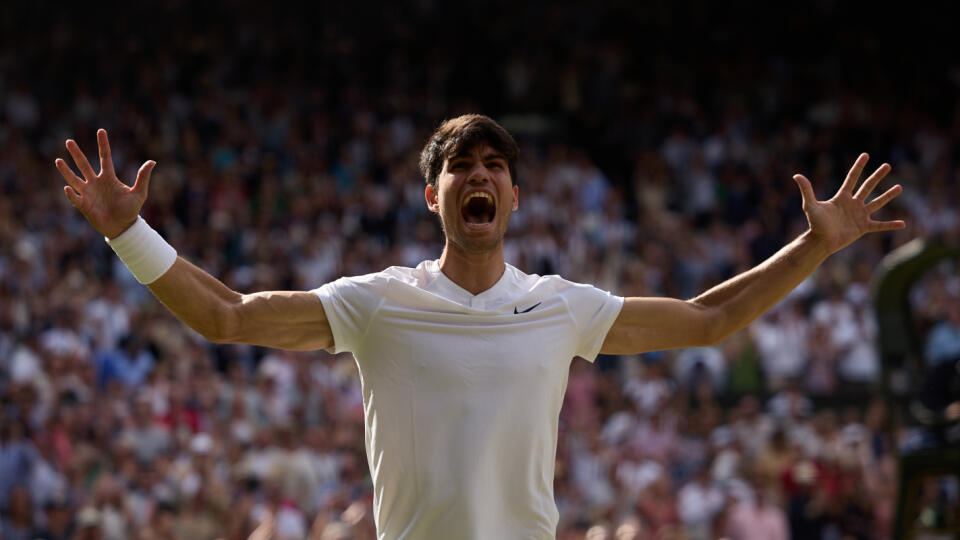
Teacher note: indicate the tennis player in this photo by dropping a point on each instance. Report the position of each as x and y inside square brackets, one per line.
[463, 360]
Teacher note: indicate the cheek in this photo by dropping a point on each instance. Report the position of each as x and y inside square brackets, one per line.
[448, 201]
[511, 199]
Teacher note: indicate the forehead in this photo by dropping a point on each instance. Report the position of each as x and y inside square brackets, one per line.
[477, 151]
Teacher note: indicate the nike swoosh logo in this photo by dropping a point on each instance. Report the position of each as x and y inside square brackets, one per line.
[515, 312]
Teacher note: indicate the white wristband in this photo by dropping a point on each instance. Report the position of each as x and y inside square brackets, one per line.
[144, 251]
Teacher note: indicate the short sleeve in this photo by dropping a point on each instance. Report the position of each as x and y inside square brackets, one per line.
[593, 311]
[350, 303]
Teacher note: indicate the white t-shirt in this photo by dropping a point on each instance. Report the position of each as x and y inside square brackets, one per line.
[462, 394]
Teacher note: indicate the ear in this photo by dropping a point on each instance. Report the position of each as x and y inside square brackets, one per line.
[516, 197]
[430, 194]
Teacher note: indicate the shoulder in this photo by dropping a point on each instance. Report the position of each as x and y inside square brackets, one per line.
[550, 283]
[363, 289]
[393, 274]
[576, 296]
[418, 277]
[380, 283]
[564, 286]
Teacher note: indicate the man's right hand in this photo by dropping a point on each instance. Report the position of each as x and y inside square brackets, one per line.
[108, 204]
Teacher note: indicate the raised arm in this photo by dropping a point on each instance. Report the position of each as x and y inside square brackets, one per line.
[647, 324]
[283, 319]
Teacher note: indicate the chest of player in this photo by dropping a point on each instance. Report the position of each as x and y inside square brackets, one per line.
[464, 347]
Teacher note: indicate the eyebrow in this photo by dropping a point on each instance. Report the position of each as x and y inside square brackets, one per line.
[492, 154]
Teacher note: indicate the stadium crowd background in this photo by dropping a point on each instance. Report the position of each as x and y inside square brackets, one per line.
[657, 149]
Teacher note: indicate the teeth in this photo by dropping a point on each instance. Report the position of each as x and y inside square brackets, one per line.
[475, 195]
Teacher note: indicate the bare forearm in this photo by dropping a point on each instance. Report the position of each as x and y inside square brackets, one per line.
[198, 299]
[283, 319]
[741, 299]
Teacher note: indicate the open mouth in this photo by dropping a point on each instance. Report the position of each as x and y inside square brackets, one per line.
[478, 209]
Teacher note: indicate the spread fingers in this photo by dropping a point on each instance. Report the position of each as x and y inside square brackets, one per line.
[71, 179]
[882, 200]
[867, 188]
[103, 144]
[854, 174]
[81, 160]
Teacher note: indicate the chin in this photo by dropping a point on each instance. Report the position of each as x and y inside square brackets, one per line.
[473, 240]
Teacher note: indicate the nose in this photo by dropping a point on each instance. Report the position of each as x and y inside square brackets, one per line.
[479, 173]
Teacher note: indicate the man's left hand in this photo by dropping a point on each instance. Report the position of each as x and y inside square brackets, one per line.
[839, 221]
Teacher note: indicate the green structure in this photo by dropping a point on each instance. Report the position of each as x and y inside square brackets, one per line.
[920, 514]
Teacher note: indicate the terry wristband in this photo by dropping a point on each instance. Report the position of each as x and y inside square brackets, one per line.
[144, 251]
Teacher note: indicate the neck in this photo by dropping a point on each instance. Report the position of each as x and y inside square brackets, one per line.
[474, 272]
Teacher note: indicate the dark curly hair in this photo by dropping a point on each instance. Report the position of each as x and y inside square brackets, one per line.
[456, 135]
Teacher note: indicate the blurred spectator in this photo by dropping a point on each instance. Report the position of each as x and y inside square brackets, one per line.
[807, 505]
[758, 517]
[129, 363]
[657, 506]
[89, 524]
[699, 502]
[108, 501]
[850, 334]
[781, 338]
[701, 366]
[19, 522]
[17, 457]
[146, 435]
[58, 520]
[943, 341]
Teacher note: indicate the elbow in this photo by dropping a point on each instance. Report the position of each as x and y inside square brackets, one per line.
[717, 327]
[214, 336]
[715, 337]
[223, 325]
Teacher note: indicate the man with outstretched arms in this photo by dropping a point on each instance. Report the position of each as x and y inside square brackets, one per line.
[464, 359]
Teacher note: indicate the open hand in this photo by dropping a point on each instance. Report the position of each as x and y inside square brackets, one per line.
[846, 217]
[108, 204]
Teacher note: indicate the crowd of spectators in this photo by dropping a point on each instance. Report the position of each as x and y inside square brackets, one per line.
[287, 145]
